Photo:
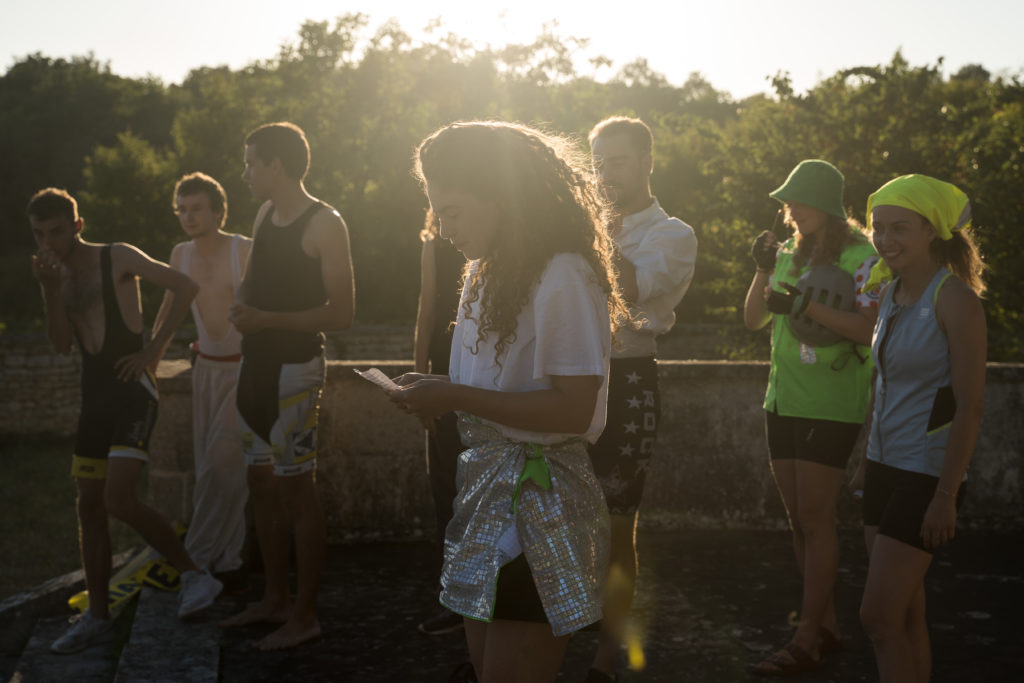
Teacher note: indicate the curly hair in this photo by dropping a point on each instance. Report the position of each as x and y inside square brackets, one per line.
[547, 204]
[826, 245]
[961, 255]
[200, 183]
[431, 226]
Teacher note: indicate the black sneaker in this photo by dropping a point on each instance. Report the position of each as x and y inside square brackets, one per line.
[441, 623]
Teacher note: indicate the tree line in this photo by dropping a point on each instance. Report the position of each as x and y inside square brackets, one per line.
[365, 99]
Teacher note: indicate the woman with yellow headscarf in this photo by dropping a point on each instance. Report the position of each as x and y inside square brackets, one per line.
[929, 349]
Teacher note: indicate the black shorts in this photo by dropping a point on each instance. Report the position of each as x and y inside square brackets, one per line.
[825, 442]
[624, 450]
[516, 597]
[117, 418]
[895, 501]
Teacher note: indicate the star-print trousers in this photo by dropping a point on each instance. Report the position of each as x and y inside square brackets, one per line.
[622, 454]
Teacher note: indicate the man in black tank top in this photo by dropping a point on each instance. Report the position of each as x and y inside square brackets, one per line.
[298, 284]
[91, 294]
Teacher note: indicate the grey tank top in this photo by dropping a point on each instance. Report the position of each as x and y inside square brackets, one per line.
[914, 403]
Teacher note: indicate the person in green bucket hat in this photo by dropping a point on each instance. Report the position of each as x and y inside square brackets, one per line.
[818, 387]
[816, 183]
[929, 347]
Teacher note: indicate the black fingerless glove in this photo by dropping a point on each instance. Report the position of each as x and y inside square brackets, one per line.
[764, 250]
[790, 301]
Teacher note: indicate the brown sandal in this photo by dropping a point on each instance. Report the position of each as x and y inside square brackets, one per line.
[789, 661]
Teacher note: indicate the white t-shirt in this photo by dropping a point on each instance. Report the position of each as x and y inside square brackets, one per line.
[563, 329]
[663, 250]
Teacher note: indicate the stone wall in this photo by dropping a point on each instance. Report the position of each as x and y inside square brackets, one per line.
[711, 462]
[40, 389]
[710, 468]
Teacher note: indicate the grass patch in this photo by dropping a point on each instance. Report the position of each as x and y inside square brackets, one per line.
[38, 523]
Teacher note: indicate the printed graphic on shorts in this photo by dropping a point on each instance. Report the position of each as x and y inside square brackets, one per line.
[622, 455]
[137, 431]
[293, 441]
[294, 434]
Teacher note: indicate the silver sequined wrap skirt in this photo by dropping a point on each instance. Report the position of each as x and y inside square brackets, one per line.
[563, 531]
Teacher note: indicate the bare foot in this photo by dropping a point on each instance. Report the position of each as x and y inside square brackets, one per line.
[258, 613]
[290, 635]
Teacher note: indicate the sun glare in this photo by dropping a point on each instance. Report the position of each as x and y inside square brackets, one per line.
[735, 44]
[492, 25]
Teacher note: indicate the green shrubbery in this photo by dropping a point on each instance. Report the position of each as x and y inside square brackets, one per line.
[366, 100]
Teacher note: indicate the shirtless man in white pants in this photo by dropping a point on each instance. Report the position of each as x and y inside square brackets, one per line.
[215, 260]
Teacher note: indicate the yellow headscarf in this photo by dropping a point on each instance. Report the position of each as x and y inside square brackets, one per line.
[942, 204]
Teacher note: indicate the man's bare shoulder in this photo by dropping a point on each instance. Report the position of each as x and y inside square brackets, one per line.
[327, 225]
[177, 253]
[327, 217]
[328, 233]
[91, 262]
[128, 261]
[122, 253]
[93, 248]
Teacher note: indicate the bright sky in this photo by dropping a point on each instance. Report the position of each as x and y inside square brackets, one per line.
[736, 44]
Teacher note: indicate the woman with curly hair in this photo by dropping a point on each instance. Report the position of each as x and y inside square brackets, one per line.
[818, 387]
[929, 346]
[526, 549]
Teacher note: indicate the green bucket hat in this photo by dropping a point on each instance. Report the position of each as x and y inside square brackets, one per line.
[816, 183]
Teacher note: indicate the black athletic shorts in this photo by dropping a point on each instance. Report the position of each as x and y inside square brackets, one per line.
[825, 442]
[624, 450]
[516, 598]
[117, 418]
[895, 501]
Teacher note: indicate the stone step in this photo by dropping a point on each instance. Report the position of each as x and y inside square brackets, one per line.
[96, 664]
[164, 649]
[19, 613]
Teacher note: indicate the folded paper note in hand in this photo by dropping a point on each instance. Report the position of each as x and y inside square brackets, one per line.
[379, 378]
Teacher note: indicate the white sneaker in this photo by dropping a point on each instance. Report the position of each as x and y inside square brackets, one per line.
[198, 591]
[85, 630]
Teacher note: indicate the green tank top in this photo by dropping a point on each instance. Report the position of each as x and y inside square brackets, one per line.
[821, 382]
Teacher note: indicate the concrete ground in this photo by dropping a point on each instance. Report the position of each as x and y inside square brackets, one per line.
[714, 603]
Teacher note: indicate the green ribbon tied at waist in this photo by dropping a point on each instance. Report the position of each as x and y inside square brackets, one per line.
[536, 470]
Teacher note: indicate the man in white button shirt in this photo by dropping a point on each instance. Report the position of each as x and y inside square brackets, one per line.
[655, 258]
